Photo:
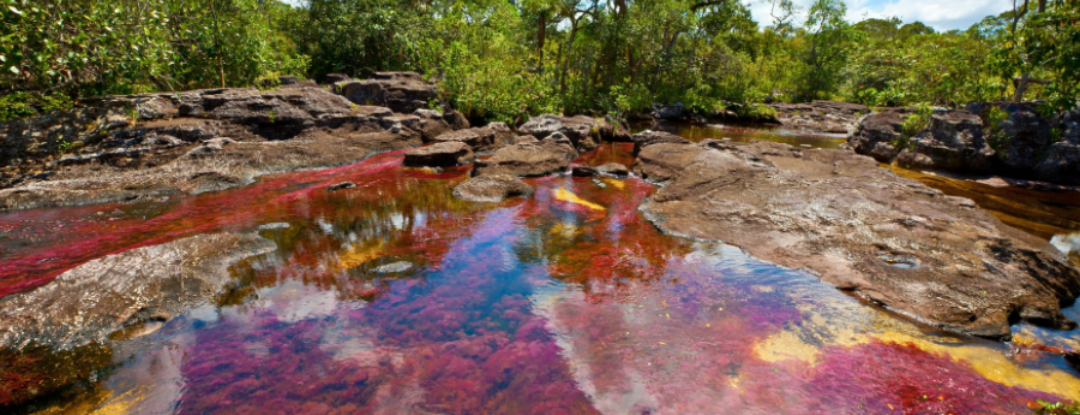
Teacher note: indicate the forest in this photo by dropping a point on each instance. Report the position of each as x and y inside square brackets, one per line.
[504, 60]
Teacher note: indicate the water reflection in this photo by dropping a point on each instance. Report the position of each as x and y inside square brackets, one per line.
[568, 302]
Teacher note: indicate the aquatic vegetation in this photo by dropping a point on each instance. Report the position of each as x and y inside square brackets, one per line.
[565, 303]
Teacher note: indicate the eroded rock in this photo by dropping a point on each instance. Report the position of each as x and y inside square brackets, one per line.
[648, 137]
[548, 156]
[953, 141]
[492, 188]
[891, 240]
[91, 301]
[823, 116]
[404, 92]
[583, 131]
[445, 154]
[480, 139]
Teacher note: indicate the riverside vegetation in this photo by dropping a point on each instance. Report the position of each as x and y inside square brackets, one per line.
[501, 61]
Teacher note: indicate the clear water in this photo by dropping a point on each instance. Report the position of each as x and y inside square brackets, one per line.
[566, 303]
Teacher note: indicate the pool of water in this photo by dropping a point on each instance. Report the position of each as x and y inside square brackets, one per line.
[395, 297]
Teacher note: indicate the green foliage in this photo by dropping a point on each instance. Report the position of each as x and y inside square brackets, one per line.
[27, 104]
[915, 122]
[127, 46]
[1058, 408]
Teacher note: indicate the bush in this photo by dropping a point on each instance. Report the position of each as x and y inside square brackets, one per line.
[28, 104]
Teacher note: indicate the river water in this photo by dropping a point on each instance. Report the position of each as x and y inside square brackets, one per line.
[394, 297]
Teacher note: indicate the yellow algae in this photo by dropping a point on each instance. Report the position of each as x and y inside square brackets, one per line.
[995, 366]
[616, 183]
[357, 254]
[783, 346]
[564, 229]
[567, 196]
[126, 403]
[988, 362]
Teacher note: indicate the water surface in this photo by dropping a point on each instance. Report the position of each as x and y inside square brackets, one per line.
[566, 303]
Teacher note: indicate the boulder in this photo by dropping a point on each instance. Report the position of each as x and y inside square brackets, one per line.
[87, 303]
[583, 131]
[672, 112]
[334, 78]
[481, 139]
[953, 141]
[891, 240]
[1062, 162]
[614, 169]
[432, 123]
[403, 92]
[445, 154]
[492, 188]
[878, 135]
[549, 156]
[584, 171]
[1022, 138]
[524, 139]
[648, 137]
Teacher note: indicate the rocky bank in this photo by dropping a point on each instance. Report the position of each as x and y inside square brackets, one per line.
[1002, 138]
[893, 241]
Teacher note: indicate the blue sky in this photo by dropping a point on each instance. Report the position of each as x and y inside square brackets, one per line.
[939, 14]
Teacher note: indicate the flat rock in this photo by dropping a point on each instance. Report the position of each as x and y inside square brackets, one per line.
[444, 154]
[91, 301]
[481, 139]
[891, 240]
[529, 159]
[822, 116]
[492, 188]
[648, 137]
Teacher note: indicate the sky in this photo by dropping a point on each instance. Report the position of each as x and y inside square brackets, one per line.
[942, 15]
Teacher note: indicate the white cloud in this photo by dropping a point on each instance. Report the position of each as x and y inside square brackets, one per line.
[939, 14]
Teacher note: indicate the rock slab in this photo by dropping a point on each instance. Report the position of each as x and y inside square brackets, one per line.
[891, 240]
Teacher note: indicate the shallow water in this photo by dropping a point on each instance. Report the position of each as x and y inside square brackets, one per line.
[568, 302]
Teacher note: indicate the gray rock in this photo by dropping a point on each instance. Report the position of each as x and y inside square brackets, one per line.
[492, 188]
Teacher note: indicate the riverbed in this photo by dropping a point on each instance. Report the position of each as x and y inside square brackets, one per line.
[395, 297]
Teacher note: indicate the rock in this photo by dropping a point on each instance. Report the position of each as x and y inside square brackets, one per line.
[1022, 138]
[954, 141]
[822, 116]
[340, 186]
[268, 132]
[583, 131]
[393, 267]
[288, 80]
[1062, 162]
[456, 120]
[87, 303]
[584, 171]
[334, 78]
[614, 169]
[528, 159]
[877, 136]
[430, 124]
[673, 112]
[890, 240]
[492, 188]
[1073, 358]
[403, 92]
[480, 139]
[524, 139]
[649, 137]
[444, 154]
